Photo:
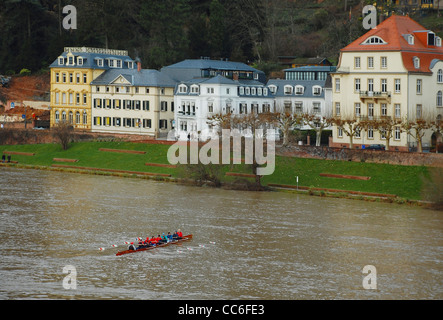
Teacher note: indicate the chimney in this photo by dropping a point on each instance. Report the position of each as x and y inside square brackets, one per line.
[139, 64]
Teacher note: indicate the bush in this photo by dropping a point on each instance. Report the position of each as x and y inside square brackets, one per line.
[25, 72]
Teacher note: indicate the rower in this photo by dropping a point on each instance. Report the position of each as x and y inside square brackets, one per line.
[153, 241]
[179, 234]
[169, 236]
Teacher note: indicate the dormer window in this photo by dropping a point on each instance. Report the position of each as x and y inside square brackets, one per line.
[100, 62]
[438, 42]
[80, 61]
[299, 89]
[416, 62]
[130, 65]
[253, 91]
[247, 91]
[273, 89]
[431, 39]
[374, 40]
[182, 89]
[194, 89]
[265, 91]
[118, 63]
[242, 90]
[259, 91]
[61, 61]
[288, 89]
[411, 39]
[316, 90]
[70, 61]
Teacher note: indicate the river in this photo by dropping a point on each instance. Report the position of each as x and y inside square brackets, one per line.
[246, 245]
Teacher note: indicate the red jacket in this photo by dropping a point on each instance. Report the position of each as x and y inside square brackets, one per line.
[180, 234]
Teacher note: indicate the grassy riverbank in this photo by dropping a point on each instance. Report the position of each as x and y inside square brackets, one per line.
[402, 181]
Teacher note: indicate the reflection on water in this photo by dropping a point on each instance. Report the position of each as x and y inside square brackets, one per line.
[247, 245]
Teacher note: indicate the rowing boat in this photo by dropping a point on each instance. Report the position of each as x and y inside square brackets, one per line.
[185, 238]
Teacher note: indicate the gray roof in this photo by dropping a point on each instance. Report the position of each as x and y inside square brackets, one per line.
[308, 85]
[213, 64]
[90, 60]
[312, 68]
[144, 78]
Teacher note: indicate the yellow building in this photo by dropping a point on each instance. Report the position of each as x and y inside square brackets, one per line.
[71, 76]
[392, 74]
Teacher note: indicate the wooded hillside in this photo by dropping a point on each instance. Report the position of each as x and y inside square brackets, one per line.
[166, 31]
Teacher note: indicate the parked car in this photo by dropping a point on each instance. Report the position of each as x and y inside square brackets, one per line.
[376, 147]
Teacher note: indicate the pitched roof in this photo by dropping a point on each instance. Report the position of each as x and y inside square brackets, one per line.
[213, 64]
[146, 77]
[394, 31]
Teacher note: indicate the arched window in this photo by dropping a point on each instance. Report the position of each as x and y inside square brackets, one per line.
[439, 99]
[374, 40]
[416, 63]
[57, 116]
[440, 76]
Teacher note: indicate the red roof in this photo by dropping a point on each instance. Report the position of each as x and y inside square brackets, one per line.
[394, 31]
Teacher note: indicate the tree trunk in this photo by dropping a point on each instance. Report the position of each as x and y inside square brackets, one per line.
[318, 138]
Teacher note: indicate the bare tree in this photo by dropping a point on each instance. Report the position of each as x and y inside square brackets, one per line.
[350, 126]
[318, 123]
[63, 131]
[417, 129]
[285, 121]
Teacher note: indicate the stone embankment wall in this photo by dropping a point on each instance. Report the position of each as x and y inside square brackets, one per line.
[9, 136]
[374, 156]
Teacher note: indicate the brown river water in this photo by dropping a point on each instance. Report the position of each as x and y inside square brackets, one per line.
[247, 245]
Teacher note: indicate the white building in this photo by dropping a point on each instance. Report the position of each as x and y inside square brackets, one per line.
[133, 102]
[199, 99]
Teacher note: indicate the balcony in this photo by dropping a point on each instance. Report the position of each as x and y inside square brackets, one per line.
[188, 114]
[375, 96]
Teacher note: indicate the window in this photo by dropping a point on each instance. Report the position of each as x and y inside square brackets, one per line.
[384, 62]
[57, 77]
[100, 62]
[85, 98]
[419, 82]
[71, 78]
[397, 110]
[63, 98]
[316, 90]
[77, 117]
[397, 133]
[384, 85]
[77, 98]
[383, 134]
[253, 91]
[210, 107]
[119, 63]
[357, 85]
[337, 85]
[111, 63]
[357, 133]
[163, 124]
[288, 89]
[210, 90]
[370, 110]
[182, 89]
[146, 105]
[370, 62]
[71, 98]
[80, 61]
[316, 107]
[147, 123]
[57, 116]
[438, 42]
[416, 62]
[85, 118]
[357, 62]
[71, 61]
[397, 85]
[371, 85]
[357, 109]
[64, 77]
[299, 107]
[418, 112]
[85, 78]
[384, 109]
[194, 89]
[374, 40]
[340, 132]
[77, 77]
[272, 88]
[439, 99]
[440, 76]
[337, 108]
[61, 61]
[411, 39]
[57, 98]
[370, 132]
[163, 106]
[299, 89]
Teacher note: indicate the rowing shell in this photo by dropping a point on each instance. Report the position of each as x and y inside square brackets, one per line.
[185, 238]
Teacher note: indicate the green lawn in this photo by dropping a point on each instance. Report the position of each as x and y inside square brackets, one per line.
[404, 181]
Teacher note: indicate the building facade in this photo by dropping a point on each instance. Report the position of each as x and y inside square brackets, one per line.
[391, 73]
[199, 99]
[134, 101]
[71, 76]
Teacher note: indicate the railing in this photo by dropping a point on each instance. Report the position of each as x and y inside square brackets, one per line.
[375, 94]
